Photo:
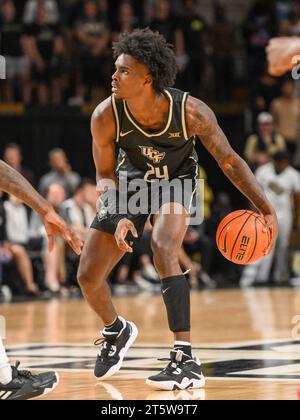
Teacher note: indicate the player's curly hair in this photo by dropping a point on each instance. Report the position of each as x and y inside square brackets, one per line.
[151, 49]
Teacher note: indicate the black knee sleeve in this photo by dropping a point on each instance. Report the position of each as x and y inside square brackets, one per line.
[176, 294]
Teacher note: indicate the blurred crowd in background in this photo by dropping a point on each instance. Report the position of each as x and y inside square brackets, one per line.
[59, 52]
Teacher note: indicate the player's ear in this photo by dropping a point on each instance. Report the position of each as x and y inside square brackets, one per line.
[148, 79]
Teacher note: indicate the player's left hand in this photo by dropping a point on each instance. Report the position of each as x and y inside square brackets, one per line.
[123, 227]
[273, 227]
[55, 225]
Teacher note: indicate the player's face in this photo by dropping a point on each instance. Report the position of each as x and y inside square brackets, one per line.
[130, 77]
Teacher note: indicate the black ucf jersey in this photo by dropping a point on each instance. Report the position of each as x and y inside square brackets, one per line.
[155, 155]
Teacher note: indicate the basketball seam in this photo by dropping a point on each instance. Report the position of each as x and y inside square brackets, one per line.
[240, 215]
[256, 236]
[258, 217]
[244, 224]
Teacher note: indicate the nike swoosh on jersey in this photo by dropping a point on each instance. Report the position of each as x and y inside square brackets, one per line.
[125, 134]
[164, 291]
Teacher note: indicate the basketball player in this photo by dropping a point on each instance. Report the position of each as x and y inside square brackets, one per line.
[280, 54]
[20, 384]
[154, 127]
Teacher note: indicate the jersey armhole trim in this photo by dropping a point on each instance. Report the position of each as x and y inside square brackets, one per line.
[183, 115]
[116, 118]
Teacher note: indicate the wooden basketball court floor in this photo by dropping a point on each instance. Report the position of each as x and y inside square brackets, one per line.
[248, 341]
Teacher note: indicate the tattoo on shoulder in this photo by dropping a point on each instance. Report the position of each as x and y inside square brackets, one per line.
[203, 119]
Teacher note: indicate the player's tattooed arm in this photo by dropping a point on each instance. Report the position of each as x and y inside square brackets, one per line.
[14, 183]
[202, 122]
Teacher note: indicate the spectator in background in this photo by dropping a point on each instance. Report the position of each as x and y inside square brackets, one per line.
[224, 44]
[102, 7]
[12, 155]
[17, 233]
[266, 141]
[194, 31]
[281, 184]
[19, 5]
[295, 18]
[169, 26]
[286, 111]
[12, 47]
[31, 11]
[61, 173]
[91, 196]
[126, 20]
[93, 35]
[71, 11]
[284, 28]
[262, 95]
[76, 211]
[54, 264]
[207, 192]
[283, 9]
[258, 28]
[199, 247]
[79, 214]
[44, 47]
[163, 21]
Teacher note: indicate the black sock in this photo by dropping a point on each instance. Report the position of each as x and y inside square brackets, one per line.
[185, 347]
[116, 326]
[176, 294]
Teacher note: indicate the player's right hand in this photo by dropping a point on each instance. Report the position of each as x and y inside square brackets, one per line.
[273, 227]
[55, 225]
[123, 227]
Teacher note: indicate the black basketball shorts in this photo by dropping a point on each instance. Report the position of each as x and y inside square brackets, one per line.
[180, 190]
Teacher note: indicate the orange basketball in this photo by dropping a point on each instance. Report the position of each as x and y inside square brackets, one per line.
[241, 237]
